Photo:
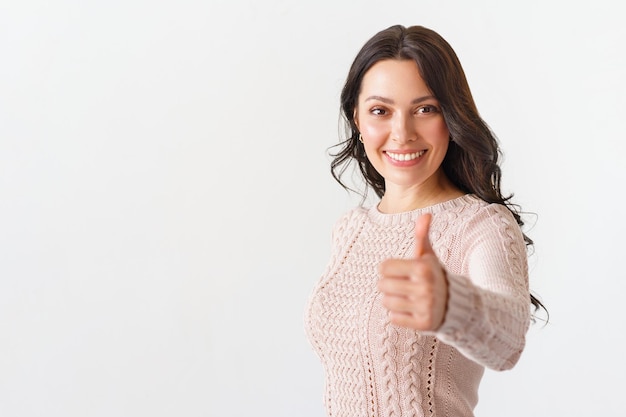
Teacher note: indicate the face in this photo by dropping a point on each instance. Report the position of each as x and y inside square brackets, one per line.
[403, 130]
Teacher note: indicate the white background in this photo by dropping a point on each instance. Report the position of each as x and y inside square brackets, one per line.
[166, 201]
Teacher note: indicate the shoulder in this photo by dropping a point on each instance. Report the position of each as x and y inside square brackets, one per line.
[349, 220]
[491, 221]
[494, 215]
[469, 210]
[472, 210]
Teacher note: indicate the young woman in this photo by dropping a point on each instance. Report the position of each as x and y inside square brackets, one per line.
[430, 286]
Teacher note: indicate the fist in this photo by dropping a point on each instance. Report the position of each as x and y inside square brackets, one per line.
[415, 291]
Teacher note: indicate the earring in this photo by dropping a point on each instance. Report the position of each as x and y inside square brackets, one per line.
[361, 138]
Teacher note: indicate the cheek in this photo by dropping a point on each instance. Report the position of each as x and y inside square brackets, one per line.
[371, 129]
[441, 127]
[439, 132]
[374, 131]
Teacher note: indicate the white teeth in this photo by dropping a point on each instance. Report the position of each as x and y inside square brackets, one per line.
[405, 156]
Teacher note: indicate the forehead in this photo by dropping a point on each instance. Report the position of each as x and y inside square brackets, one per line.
[393, 77]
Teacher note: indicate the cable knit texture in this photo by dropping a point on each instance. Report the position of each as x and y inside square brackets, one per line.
[376, 369]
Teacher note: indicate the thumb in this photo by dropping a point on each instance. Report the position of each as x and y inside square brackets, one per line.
[422, 241]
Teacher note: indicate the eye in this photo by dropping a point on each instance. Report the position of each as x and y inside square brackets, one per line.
[378, 111]
[427, 109]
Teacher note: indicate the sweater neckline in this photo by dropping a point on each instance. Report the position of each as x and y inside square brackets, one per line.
[389, 219]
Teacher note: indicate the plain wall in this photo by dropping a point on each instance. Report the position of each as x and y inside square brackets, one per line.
[166, 201]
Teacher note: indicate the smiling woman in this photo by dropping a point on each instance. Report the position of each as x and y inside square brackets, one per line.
[428, 287]
[404, 135]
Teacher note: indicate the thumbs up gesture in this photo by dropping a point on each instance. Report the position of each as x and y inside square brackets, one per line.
[415, 291]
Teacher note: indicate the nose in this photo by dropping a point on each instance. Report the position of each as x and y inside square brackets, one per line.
[402, 129]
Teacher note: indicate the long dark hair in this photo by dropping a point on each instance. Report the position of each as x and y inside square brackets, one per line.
[472, 160]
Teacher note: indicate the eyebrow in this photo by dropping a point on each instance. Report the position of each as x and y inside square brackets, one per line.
[390, 101]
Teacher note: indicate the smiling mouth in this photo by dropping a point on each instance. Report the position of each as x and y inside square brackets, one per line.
[405, 156]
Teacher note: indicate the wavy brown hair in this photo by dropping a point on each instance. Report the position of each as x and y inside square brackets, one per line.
[472, 160]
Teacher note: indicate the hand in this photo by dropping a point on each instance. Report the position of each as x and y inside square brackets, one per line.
[415, 291]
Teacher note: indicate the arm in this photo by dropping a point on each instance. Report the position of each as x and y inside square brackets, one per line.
[483, 311]
[488, 308]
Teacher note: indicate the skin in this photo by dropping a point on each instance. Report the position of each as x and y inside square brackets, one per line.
[406, 139]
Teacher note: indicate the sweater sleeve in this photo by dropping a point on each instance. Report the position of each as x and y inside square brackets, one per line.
[488, 311]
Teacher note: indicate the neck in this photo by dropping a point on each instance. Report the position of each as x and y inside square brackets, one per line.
[399, 199]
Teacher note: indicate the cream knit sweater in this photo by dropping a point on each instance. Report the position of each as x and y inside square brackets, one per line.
[375, 369]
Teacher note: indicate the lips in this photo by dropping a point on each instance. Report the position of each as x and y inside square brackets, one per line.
[405, 156]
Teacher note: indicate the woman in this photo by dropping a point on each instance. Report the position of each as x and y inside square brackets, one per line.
[430, 286]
